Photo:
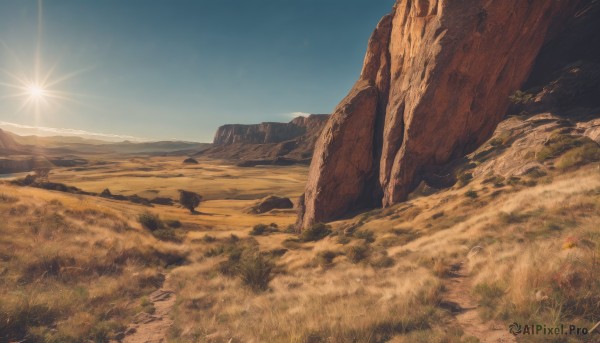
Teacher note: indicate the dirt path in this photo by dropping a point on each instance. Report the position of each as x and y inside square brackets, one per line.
[153, 328]
[459, 301]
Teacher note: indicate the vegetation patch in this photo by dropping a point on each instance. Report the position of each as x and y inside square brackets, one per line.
[315, 233]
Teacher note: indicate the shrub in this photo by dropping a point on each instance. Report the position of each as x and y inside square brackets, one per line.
[588, 152]
[325, 258]
[261, 229]
[255, 271]
[520, 97]
[558, 144]
[150, 221]
[366, 235]
[315, 233]
[464, 178]
[357, 253]
[208, 239]
[471, 194]
[189, 200]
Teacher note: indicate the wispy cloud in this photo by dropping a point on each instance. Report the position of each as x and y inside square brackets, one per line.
[52, 131]
[297, 114]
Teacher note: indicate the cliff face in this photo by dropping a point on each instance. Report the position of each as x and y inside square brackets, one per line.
[266, 133]
[435, 83]
[293, 140]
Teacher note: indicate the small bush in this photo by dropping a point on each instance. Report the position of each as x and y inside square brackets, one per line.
[520, 97]
[587, 153]
[357, 253]
[464, 178]
[150, 221]
[170, 235]
[315, 233]
[471, 194]
[255, 271]
[325, 258]
[366, 235]
[189, 200]
[208, 239]
[586, 150]
[262, 229]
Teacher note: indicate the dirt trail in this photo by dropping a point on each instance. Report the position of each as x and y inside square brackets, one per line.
[459, 301]
[153, 328]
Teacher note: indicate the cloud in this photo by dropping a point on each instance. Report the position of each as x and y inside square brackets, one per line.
[297, 114]
[52, 131]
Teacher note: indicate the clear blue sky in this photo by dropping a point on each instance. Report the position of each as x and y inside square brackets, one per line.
[178, 69]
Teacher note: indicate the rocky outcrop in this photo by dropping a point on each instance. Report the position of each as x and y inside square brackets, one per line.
[265, 133]
[435, 83]
[294, 141]
[270, 203]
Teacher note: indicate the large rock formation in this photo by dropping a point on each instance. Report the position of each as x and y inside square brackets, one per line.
[435, 83]
[268, 141]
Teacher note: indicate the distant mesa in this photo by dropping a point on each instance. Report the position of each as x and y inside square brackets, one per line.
[268, 143]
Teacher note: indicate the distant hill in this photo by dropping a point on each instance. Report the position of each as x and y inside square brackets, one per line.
[25, 153]
[266, 143]
[8, 143]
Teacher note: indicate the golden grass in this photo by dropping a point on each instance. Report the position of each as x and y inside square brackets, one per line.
[71, 271]
[374, 278]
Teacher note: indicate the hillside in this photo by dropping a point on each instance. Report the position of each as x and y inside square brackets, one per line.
[268, 143]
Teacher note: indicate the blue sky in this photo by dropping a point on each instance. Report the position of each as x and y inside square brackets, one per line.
[178, 69]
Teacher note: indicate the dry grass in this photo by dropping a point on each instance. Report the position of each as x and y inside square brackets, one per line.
[378, 277]
[71, 271]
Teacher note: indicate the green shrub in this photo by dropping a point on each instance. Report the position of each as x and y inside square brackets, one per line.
[520, 97]
[315, 233]
[255, 271]
[558, 144]
[587, 153]
[262, 229]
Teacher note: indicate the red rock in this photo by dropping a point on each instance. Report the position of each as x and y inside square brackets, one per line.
[435, 83]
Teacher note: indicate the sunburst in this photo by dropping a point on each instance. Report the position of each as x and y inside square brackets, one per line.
[37, 86]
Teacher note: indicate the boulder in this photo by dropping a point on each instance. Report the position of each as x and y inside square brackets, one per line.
[270, 203]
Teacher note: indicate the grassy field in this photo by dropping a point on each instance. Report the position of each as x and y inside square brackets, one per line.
[151, 177]
[76, 268]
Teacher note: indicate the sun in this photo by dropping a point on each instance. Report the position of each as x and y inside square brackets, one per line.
[36, 91]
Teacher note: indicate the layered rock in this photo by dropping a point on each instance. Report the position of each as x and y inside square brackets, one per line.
[435, 83]
[264, 143]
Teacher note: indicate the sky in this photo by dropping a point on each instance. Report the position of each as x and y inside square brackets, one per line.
[176, 69]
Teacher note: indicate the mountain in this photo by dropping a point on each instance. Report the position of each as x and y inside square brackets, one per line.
[435, 84]
[267, 143]
[8, 144]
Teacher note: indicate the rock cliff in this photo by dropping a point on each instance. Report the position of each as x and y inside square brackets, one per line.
[435, 83]
[294, 141]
